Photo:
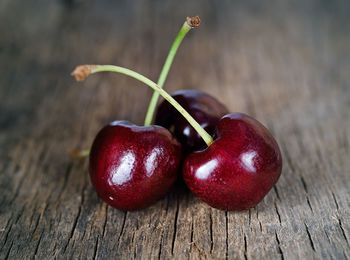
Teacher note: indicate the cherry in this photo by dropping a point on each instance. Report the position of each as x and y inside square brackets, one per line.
[236, 171]
[239, 168]
[205, 109]
[131, 167]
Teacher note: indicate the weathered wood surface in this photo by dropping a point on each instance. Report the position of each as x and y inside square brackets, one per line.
[287, 63]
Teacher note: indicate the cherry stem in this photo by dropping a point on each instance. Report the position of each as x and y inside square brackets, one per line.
[186, 27]
[83, 71]
[79, 154]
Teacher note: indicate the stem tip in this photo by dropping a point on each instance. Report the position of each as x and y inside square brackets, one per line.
[193, 21]
[82, 72]
[79, 154]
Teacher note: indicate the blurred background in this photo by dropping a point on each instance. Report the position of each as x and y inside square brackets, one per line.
[239, 44]
[286, 63]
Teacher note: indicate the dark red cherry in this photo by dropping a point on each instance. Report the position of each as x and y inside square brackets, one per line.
[205, 109]
[239, 168]
[132, 167]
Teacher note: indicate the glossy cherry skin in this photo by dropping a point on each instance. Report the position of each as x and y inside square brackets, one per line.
[238, 169]
[131, 167]
[205, 109]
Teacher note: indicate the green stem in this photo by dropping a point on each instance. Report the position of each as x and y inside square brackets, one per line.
[186, 27]
[81, 72]
[79, 154]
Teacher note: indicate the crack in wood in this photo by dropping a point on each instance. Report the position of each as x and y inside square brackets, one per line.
[65, 180]
[175, 225]
[9, 251]
[36, 224]
[191, 239]
[20, 214]
[308, 203]
[257, 217]
[6, 237]
[95, 248]
[211, 231]
[37, 245]
[39, 218]
[76, 218]
[310, 238]
[73, 229]
[245, 247]
[307, 192]
[106, 218]
[226, 217]
[304, 184]
[161, 236]
[276, 191]
[327, 236]
[335, 201]
[123, 225]
[279, 246]
[133, 243]
[160, 246]
[343, 231]
[278, 214]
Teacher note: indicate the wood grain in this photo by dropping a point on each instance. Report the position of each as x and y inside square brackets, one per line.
[286, 63]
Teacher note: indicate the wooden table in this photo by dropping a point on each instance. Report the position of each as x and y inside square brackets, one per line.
[287, 63]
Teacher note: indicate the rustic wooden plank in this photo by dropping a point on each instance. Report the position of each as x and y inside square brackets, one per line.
[286, 63]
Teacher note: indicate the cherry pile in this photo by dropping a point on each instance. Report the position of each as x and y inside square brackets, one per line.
[230, 161]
